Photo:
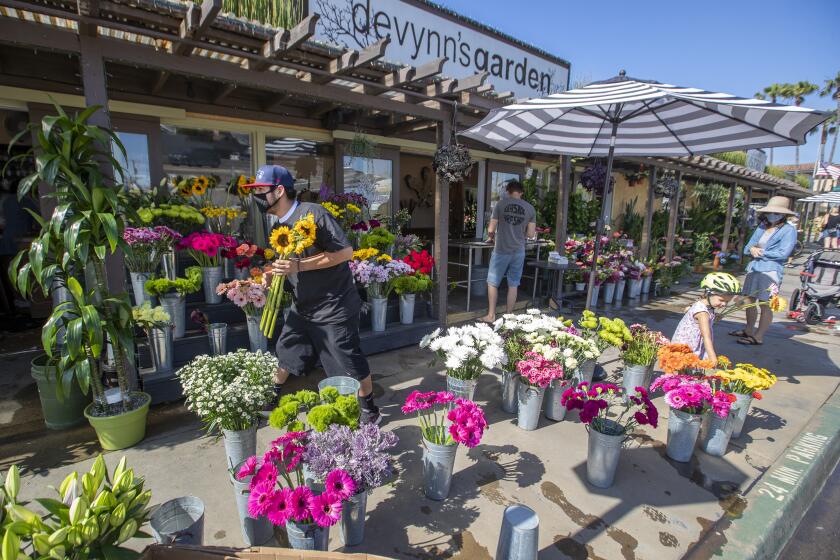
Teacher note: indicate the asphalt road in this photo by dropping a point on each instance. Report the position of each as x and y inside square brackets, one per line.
[818, 535]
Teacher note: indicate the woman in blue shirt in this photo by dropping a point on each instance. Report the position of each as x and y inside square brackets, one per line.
[770, 246]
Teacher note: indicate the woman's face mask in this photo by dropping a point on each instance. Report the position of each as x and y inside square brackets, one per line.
[773, 217]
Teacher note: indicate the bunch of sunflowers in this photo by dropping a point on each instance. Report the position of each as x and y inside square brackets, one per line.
[371, 254]
[286, 241]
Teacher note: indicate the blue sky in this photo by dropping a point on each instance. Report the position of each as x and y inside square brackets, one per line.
[734, 46]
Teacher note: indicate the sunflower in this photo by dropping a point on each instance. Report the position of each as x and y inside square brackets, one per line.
[241, 181]
[305, 228]
[242, 191]
[281, 240]
[184, 189]
[303, 243]
[268, 254]
[199, 186]
[777, 303]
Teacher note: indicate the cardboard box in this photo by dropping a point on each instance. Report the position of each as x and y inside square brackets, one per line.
[185, 552]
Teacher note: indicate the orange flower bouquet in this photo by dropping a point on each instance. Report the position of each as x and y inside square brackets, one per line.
[676, 358]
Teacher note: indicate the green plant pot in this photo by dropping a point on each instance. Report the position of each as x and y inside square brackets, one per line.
[58, 414]
[122, 430]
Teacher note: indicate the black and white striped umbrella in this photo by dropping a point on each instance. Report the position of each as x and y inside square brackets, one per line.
[628, 117]
[832, 197]
[647, 119]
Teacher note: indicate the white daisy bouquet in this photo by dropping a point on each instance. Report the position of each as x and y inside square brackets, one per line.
[467, 350]
[514, 327]
[228, 392]
[563, 347]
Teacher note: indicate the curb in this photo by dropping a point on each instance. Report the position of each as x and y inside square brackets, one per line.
[782, 495]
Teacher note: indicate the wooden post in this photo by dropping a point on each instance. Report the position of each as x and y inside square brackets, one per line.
[442, 228]
[742, 237]
[644, 250]
[564, 189]
[674, 212]
[727, 224]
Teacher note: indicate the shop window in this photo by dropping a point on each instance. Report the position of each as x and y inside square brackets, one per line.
[498, 182]
[135, 163]
[372, 178]
[219, 155]
[311, 163]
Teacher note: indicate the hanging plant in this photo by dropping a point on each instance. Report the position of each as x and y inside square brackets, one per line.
[666, 186]
[593, 178]
[361, 146]
[452, 162]
[635, 177]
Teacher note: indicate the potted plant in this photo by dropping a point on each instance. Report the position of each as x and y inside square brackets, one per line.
[536, 373]
[466, 351]
[639, 355]
[205, 248]
[466, 426]
[157, 325]
[719, 419]
[746, 382]
[375, 271]
[647, 277]
[277, 492]
[322, 409]
[85, 227]
[687, 396]
[147, 245]
[407, 287]
[609, 282]
[228, 392]
[364, 455]
[250, 296]
[608, 428]
[702, 249]
[620, 284]
[452, 162]
[173, 296]
[92, 516]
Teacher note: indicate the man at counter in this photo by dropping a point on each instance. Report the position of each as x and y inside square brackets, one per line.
[513, 223]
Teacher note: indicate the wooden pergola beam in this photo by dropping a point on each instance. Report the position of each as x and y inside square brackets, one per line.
[406, 127]
[352, 60]
[404, 76]
[647, 225]
[195, 23]
[673, 215]
[274, 102]
[321, 109]
[478, 102]
[286, 40]
[453, 86]
[89, 8]
[223, 92]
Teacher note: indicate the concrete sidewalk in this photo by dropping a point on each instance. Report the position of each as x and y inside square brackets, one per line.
[657, 509]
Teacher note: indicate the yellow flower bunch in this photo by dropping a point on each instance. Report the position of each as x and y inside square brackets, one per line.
[777, 303]
[333, 209]
[240, 185]
[200, 185]
[384, 258]
[353, 208]
[365, 254]
[747, 378]
[268, 254]
[724, 362]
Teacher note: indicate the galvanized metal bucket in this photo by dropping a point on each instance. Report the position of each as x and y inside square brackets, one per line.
[552, 405]
[683, 429]
[160, 347]
[138, 286]
[217, 333]
[353, 519]
[510, 382]
[603, 455]
[344, 384]
[256, 339]
[255, 532]
[586, 371]
[520, 534]
[179, 521]
[230, 269]
[634, 376]
[438, 464]
[239, 445]
[211, 277]
[307, 536]
[715, 433]
[169, 264]
[529, 406]
[742, 409]
[596, 290]
[609, 292]
[378, 314]
[176, 306]
[619, 290]
[635, 287]
[407, 309]
[461, 388]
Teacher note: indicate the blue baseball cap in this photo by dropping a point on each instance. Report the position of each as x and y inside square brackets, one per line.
[273, 176]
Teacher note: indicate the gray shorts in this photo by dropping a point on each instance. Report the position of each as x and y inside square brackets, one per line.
[302, 342]
[757, 285]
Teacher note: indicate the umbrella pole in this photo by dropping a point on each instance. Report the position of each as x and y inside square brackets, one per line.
[599, 224]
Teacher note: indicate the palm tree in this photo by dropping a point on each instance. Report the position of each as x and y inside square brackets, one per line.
[772, 92]
[831, 88]
[798, 92]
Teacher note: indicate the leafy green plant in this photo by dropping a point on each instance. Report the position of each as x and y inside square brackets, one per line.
[322, 409]
[412, 284]
[702, 248]
[85, 227]
[92, 517]
[632, 222]
[181, 286]
[582, 213]
[378, 238]
[361, 146]
[276, 13]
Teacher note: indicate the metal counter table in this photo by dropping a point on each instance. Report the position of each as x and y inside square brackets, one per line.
[472, 245]
[555, 283]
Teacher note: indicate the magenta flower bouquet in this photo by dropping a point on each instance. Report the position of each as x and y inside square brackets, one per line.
[603, 408]
[146, 245]
[278, 492]
[206, 247]
[537, 371]
[685, 393]
[465, 418]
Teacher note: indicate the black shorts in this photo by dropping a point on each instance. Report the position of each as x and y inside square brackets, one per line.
[302, 342]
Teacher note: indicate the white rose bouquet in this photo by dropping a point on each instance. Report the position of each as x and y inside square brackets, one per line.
[468, 350]
[515, 327]
[565, 348]
[228, 392]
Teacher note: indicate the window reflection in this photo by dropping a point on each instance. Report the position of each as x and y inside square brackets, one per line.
[311, 163]
[372, 178]
[498, 181]
[135, 163]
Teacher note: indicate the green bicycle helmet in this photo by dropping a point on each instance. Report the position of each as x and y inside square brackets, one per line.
[721, 283]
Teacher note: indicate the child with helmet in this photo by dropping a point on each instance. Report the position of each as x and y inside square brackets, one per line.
[695, 328]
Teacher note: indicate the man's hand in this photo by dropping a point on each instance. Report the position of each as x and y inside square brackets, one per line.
[756, 252]
[285, 267]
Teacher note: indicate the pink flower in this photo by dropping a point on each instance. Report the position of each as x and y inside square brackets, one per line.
[338, 482]
[280, 508]
[267, 473]
[301, 503]
[258, 300]
[468, 423]
[248, 468]
[259, 500]
[326, 509]
[239, 299]
[417, 401]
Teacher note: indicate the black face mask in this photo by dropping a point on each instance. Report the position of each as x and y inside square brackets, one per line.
[261, 199]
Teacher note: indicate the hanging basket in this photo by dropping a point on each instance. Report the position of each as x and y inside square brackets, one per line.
[452, 162]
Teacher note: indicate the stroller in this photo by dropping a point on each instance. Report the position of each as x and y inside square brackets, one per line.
[820, 287]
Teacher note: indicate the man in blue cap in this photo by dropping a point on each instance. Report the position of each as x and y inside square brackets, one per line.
[323, 322]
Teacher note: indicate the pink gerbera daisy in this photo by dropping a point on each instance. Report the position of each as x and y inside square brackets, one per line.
[326, 509]
[267, 473]
[247, 468]
[280, 509]
[260, 498]
[339, 482]
[301, 503]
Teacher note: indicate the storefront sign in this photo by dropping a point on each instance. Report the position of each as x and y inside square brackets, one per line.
[420, 33]
[756, 160]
